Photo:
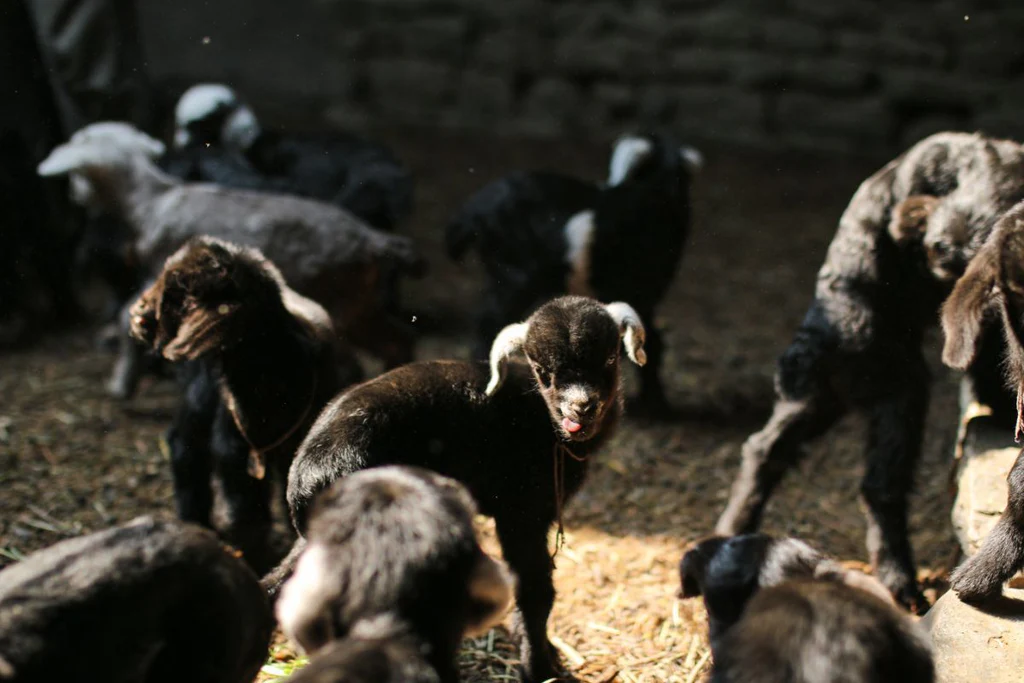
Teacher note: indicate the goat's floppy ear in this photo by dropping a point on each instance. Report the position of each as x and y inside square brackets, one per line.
[631, 328]
[692, 158]
[491, 587]
[508, 341]
[691, 572]
[196, 333]
[63, 159]
[910, 218]
[964, 311]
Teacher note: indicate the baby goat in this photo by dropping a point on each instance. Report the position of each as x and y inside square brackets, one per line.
[543, 234]
[519, 437]
[362, 176]
[273, 355]
[993, 287]
[859, 346]
[135, 601]
[430, 585]
[780, 612]
[323, 251]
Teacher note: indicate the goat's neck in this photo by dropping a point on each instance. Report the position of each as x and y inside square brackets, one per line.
[269, 379]
[133, 190]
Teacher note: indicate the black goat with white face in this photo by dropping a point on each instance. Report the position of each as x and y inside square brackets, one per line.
[214, 128]
[430, 584]
[519, 438]
[544, 234]
[780, 612]
[136, 600]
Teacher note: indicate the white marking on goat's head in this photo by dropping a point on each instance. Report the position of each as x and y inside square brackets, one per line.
[241, 129]
[579, 238]
[629, 152]
[201, 101]
[302, 609]
[99, 144]
[692, 158]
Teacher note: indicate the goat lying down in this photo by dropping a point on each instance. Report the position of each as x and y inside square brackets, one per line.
[431, 583]
[271, 355]
[904, 238]
[542, 234]
[136, 601]
[780, 612]
[993, 288]
[324, 252]
[519, 437]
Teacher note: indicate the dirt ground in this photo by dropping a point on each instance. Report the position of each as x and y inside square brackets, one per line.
[73, 461]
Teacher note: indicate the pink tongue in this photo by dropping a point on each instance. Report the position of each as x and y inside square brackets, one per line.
[570, 426]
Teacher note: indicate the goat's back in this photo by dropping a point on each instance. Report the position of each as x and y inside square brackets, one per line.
[136, 599]
[806, 631]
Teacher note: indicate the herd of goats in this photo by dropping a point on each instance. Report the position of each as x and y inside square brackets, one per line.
[260, 261]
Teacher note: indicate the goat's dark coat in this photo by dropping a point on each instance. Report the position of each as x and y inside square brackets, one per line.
[518, 225]
[993, 288]
[130, 605]
[428, 584]
[260, 363]
[780, 612]
[505, 447]
[859, 346]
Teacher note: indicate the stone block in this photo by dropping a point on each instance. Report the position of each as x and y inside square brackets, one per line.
[830, 75]
[859, 118]
[485, 96]
[407, 89]
[972, 644]
[931, 88]
[887, 47]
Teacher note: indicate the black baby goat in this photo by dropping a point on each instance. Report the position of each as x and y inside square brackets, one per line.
[392, 580]
[261, 363]
[520, 437]
[780, 612]
[540, 235]
[131, 604]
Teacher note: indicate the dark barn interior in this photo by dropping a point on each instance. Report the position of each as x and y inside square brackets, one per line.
[792, 103]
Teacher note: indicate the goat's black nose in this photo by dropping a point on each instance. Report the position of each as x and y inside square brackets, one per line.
[585, 409]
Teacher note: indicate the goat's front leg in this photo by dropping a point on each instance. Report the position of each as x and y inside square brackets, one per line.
[525, 548]
[895, 431]
[131, 359]
[1001, 556]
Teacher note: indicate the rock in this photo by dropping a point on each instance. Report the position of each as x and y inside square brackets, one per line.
[972, 645]
[988, 454]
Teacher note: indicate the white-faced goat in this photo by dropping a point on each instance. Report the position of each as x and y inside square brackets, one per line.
[540, 235]
[992, 289]
[262, 362]
[519, 436]
[136, 600]
[391, 580]
[362, 176]
[780, 612]
[324, 252]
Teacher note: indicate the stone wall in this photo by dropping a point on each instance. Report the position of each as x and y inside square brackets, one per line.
[853, 75]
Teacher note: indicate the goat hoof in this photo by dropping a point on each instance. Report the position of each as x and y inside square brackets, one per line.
[912, 599]
[972, 587]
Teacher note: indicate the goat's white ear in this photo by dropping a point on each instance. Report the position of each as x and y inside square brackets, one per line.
[628, 152]
[63, 159]
[631, 328]
[151, 146]
[508, 341]
[692, 157]
[241, 129]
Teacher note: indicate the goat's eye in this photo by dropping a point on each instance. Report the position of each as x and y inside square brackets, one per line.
[940, 249]
[612, 359]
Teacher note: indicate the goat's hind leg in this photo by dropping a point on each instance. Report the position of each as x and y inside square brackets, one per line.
[804, 409]
[981, 577]
[895, 431]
